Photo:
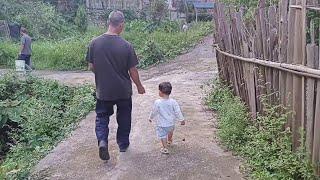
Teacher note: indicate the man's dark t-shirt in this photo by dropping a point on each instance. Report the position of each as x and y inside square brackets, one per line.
[112, 57]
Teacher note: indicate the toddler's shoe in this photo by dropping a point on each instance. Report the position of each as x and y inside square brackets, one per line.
[164, 151]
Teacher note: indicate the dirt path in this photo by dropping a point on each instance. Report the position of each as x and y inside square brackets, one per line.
[195, 154]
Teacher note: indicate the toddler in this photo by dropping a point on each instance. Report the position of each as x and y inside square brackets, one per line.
[165, 113]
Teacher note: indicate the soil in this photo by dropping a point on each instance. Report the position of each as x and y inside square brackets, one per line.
[195, 154]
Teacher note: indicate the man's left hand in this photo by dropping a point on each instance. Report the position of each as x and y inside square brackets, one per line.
[141, 90]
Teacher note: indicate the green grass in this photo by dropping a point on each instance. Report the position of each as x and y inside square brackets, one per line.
[69, 54]
[39, 114]
[264, 143]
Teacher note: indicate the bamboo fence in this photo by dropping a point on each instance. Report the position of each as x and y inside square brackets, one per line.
[273, 57]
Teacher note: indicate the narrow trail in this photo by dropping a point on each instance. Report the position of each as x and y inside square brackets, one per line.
[195, 153]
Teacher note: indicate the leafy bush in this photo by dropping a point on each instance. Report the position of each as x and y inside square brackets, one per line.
[265, 144]
[69, 54]
[8, 52]
[41, 19]
[131, 15]
[230, 109]
[173, 44]
[81, 19]
[151, 55]
[45, 112]
[137, 26]
[158, 10]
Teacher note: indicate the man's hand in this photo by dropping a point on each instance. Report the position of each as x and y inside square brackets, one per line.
[141, 90]
[183, 123]
[134, 74]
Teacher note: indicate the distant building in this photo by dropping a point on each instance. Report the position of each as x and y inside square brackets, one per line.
[97, 8]
[116, 4]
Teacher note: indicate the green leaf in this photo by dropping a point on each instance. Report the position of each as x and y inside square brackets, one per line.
[3, 121]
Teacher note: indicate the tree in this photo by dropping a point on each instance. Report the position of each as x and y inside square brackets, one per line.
[81, 19]
[158, 9]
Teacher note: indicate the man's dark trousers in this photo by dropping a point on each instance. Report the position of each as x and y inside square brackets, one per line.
[26, 58]
[104, 110]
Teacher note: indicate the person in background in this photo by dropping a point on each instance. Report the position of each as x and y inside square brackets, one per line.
[113, 61]
[25, 50]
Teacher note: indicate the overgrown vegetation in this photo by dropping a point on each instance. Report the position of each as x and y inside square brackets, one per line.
[35, 115]
[60, 38]
[264, 143]
[41, 19]
[153, 42]
[164, 41]
[248, 7]
[81, 19]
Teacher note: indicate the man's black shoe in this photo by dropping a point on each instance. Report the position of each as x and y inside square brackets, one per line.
[124, 149]
[103, 151]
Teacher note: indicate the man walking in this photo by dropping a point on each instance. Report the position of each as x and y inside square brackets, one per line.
[113, 61]
[25, 50]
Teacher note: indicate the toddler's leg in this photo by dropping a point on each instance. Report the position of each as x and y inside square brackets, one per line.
[164, 149]
[170, 137]
[164, 142]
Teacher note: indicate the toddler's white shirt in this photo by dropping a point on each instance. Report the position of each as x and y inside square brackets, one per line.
[166, 112]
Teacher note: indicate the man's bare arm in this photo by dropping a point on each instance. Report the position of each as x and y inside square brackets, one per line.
[136, 79]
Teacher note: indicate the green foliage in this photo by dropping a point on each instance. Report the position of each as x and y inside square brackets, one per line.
[173, 44]
[42, 20]
[8, 52]
[166, 39]
[81, 19]
[69, 54]
[158, 10]
[45, 112]
[265, 144]
[131, 15]
[70, 10]
[248, 6]
[233, 118]
[151, 55]
[151, 26]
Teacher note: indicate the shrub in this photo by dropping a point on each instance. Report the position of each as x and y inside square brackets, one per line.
[233, 119]
[69, 54]
[151, 54]
[45, 112]
[41, 19]
[264, 143]
[81, 19]
[158, 10]
[8, 53]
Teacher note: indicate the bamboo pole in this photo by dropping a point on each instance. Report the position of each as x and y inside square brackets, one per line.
[294, 69]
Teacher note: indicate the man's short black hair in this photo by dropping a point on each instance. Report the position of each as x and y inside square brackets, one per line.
[165, 88]
[116, 18]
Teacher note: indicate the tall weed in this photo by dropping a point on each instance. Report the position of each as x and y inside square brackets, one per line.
[264, 143]
[44, 113]
[69, 54]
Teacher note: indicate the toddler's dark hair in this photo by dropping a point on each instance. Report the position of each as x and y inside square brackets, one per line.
[165, 88]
